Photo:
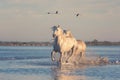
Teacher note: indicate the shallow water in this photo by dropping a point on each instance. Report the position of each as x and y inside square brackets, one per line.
[34, 63]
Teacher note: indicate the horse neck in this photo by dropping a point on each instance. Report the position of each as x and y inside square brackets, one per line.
[60, 39]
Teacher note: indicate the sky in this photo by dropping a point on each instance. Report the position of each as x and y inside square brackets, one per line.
[28, 20]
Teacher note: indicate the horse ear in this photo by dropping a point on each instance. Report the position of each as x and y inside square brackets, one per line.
[54, 27]
[58, 26]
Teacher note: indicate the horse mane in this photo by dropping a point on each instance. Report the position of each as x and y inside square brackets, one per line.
[68, 33]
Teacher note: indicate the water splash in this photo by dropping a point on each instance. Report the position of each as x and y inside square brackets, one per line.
[89, 60]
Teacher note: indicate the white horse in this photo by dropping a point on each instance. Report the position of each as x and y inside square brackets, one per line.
[79, 48]
[62, 44]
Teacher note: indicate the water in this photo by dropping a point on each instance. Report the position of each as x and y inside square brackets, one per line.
[34, 63]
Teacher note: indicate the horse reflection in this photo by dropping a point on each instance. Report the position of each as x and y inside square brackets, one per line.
[66, 74]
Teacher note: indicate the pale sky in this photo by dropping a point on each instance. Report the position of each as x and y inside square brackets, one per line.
[27, 20]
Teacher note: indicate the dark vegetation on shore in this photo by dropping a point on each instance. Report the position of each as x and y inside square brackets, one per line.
[102, 43]
[88, 43]
[16, 43]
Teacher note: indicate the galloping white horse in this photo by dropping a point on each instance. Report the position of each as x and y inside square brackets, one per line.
[62, 44]
[80, 46]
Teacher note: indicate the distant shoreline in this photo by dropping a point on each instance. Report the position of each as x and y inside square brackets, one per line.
[88, 43]
[13, 43]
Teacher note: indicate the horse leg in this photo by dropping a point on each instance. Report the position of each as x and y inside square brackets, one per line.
[52, 55]
[68, 55]
[71, 52]
[64, 55]
[60, 59]
[82, 55]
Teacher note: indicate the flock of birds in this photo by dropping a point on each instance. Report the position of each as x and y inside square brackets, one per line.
[58, 13]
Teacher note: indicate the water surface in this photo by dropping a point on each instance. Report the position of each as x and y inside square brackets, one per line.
[34, 63]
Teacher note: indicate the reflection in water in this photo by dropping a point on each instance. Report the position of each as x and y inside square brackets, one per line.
[67, 73]
[72, 71]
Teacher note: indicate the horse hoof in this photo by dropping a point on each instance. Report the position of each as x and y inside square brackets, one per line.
[53, 59]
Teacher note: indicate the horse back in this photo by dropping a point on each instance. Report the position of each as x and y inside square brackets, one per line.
[81, 44]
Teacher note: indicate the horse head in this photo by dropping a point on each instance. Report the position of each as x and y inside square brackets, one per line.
[57, 30]
[68, 33]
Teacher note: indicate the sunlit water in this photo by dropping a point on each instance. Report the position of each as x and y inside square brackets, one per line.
[34, 63]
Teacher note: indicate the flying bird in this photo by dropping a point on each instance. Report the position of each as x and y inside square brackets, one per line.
[77, 14]
[56, 12]
[48, 12]
[53, 13]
